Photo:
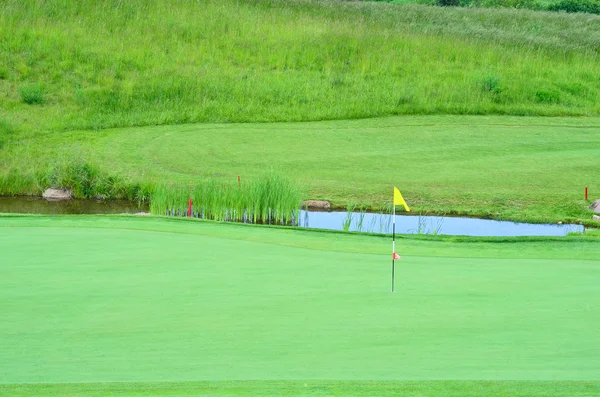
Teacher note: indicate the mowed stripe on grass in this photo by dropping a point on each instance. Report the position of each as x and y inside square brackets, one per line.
[307, 388]
[84, 304]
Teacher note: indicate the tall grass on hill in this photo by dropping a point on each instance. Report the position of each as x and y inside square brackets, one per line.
[98, 64]
[6, 131]
[271, 199]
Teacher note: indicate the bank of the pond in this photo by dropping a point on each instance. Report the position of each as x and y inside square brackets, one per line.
[372, 243]
[378, 223]
[524, 169]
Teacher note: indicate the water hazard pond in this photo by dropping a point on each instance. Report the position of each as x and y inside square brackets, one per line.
[36, 205]
[415, 224]
[365, 222]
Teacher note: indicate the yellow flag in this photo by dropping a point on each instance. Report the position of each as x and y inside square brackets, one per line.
[399, 200]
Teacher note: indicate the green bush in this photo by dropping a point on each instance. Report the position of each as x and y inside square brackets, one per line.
[87, 181]
[82, 178]
[527, 4]
[32, 94]
[492, 86]
[547, 96]
[491, 83]
[587, 6]
[448, 3]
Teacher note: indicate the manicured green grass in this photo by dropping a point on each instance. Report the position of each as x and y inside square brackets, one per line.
[313, 388]
[95, 64]
[528, 169]
[129, 299]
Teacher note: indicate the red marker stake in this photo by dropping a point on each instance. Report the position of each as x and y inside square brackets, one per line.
[239, 182]
[586, 192]
[190, 209]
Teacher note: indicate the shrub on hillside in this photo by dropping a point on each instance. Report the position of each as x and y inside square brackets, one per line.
[448, 3]
[527, 4]
[32, 94]
[547, 96]
[79, 176]
[491, 83]
[88, 181]
[587, 6]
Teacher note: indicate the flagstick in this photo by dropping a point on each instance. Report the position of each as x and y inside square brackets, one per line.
[393, 247]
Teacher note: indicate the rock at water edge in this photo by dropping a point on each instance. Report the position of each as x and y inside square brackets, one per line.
[595, 206]
[317, 204]
[57, 194]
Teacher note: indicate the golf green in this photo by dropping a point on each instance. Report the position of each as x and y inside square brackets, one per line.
[135, 299]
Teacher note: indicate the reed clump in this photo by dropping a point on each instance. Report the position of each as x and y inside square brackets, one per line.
[270, 199]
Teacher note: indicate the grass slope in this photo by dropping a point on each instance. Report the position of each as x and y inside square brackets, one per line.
[528, 169]
[149, 300]
[97, 64]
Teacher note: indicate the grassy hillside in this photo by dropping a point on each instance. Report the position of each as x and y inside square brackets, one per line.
[95, 64]
[519, 168]
[177, 300]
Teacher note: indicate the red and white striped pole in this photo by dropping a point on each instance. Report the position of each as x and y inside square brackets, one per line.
[394, 248]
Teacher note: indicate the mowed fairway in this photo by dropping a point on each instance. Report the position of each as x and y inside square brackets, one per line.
[124, 299]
